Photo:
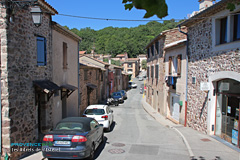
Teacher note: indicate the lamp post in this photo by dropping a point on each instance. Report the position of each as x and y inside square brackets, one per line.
[36, 15]
[13, 6]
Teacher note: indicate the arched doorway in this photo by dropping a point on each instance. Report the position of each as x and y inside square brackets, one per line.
[227, 110]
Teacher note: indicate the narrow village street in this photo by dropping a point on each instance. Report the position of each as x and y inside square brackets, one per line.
[136, 135]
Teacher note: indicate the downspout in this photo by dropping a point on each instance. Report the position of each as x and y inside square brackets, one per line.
[186, 92]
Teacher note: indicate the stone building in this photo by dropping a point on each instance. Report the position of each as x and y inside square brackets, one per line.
[214, 71]
[157, 92]
[26, 66]
[94, 86]
[65, 73]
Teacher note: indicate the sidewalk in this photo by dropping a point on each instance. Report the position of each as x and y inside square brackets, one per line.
[200, 146]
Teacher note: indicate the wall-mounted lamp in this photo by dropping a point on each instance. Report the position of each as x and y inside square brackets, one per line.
[36, 15]
[13, 6]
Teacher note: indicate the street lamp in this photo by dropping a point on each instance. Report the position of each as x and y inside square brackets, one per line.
[36, 15]
[12, 6]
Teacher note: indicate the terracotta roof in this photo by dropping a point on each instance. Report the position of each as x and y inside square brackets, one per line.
[219, 6]
[82, 52]
[81, 55]
[47, 6]
[120, 55]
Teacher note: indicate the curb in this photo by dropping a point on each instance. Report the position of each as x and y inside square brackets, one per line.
[184, 139]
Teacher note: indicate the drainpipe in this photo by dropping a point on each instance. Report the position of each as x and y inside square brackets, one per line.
[179, 27]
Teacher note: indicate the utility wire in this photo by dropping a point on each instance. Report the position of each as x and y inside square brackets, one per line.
[131, 20]
[110, 19]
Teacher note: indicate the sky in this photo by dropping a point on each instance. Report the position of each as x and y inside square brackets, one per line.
[113, 9]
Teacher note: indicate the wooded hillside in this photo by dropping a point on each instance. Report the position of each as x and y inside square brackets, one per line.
[119, 40]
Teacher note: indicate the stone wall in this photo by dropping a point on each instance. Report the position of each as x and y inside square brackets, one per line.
[203, 62]
[18, 70]
[91, 78]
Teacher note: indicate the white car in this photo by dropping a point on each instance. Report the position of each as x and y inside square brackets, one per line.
[101, 113]
[132, 85]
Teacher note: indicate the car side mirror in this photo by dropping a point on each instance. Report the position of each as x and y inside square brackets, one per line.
[111, 111]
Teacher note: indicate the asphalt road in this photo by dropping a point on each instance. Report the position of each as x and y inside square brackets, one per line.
[136, 135]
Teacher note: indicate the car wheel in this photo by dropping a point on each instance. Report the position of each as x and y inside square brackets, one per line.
[109, 128]
[91, 157]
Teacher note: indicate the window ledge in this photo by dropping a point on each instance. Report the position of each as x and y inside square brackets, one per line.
[226, 46]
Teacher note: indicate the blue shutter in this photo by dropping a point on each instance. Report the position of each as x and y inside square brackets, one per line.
[41, 51]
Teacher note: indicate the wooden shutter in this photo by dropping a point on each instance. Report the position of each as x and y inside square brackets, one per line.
[179, 60]
[170, 66]
[65, 55]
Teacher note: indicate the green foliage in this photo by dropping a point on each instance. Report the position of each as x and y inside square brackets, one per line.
[105, 60]
[152, 7]
[144, 64]
[119, 40]
[117, 63]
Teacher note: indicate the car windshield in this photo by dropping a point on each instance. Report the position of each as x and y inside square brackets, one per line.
[116, 94]
[69, 126]
[122, 92]
[95, 112]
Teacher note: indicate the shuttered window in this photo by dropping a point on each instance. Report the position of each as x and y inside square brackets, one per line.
[170, 66]
[65, 55]
[179, 59]
[156, 71]
[152, 71]
[41, 51]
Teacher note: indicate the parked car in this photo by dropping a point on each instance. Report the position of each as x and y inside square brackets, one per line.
[124, 93]
[132, 85]
[101, 113]
[112, 101]
[140, 78]
[73, 138]
[118, 96]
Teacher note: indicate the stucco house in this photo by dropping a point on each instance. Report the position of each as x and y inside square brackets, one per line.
[27, 85]
[65, 73]
[131, 66]
[165, 53]
[214, 71]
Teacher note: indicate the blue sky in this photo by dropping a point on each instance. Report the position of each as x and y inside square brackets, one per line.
[112, 9]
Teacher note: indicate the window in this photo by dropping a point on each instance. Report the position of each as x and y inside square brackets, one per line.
[174, 67]
[148, 73]
[130, 65]
[156, 71]
[41, 51]
[65, 55]
[157, 47]
[223, 30]
[236, 31]
[179, 64]
[85, 74]
[152, 71]
[152, 49]
[148, 52]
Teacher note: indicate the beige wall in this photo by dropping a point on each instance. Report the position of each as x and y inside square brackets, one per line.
[65, 76]
[181, 82]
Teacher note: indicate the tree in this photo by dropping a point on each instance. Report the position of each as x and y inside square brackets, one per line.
[144, 64]
[152, 7]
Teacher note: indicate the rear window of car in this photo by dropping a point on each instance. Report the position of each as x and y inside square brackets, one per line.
[69, 126]
[116, 94]
[95, 112]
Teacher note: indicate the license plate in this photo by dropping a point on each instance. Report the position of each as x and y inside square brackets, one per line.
[62, 142]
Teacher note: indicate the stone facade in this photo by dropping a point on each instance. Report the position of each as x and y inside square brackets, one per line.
[155, 84]
[90, 94]
[18, 71]
[209, 62]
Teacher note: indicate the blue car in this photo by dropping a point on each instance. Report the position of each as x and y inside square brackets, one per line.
[73, 138]
[124, 93]
[118, 96]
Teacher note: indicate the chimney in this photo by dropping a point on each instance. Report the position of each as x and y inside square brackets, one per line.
[204, 4]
